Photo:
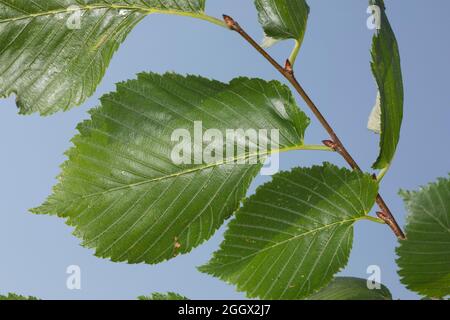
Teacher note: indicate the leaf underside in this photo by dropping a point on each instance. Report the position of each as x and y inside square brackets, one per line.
[424, 258]
[374, 123]
[283, 19]
[349, 288]
[386, 69]
[120, 188]
[295, 233]
[52, 63]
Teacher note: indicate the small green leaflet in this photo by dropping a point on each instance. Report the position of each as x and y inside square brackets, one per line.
[54, 53]
[424, 258]
[295, 233]
[283, 19]
[163, 296]
[349, 288]
[386, 118]
[120, 187]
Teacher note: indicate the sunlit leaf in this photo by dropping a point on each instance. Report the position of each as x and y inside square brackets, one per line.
[54, 53]
[121, 188]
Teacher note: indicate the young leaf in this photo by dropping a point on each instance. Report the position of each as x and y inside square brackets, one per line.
[424, 258]
[163, 296]
[295, 233]
[349, 288]
[121, 187]
[283, 19]
[386, 68]
[54, 53]
[13, 296]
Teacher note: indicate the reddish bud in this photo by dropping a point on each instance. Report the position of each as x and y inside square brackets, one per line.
[288, 67]
[233, 25]
[330, 144]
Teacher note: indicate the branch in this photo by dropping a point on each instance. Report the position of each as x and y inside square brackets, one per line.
[335, 143]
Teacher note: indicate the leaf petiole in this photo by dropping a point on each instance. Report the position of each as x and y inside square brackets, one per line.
[295, 52]
[382, 173]
[373, 219]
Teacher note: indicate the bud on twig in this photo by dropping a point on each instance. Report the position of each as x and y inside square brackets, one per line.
[330, 144]
[391, 223]
[288, 67]
[233, 25]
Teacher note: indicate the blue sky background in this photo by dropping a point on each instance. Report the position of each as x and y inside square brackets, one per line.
[333, 66]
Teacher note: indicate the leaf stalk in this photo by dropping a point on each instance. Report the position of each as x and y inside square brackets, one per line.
[337, 144]
[295, 51]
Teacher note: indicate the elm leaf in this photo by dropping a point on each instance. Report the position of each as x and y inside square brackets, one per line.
[16, 297]
[386, 68]
[283, 19]
[121, 188]
[163, 296]
[349, 288]
[295, 233]
[424, 258]
[54, 53]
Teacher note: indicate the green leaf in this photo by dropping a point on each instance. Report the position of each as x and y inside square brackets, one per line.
[283, 19]
[51, 62]
[295, 233]
[153, 296]
[349, 288]
[424, 258]
[120, 187]
[13, 296]
[386, 68]
[163, 296]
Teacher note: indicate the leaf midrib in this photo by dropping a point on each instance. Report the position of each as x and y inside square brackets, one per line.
[143, 9]
[184, 172]
[298, 236]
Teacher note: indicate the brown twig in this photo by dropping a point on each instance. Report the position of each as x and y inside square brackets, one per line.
[335, 143]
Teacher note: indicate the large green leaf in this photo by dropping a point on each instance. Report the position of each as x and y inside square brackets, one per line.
[295, 233]
[283, 19]
[120, 187]
[50, 64]
[386, 118]
[349, 288]
[163, 296]
[424, 258]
